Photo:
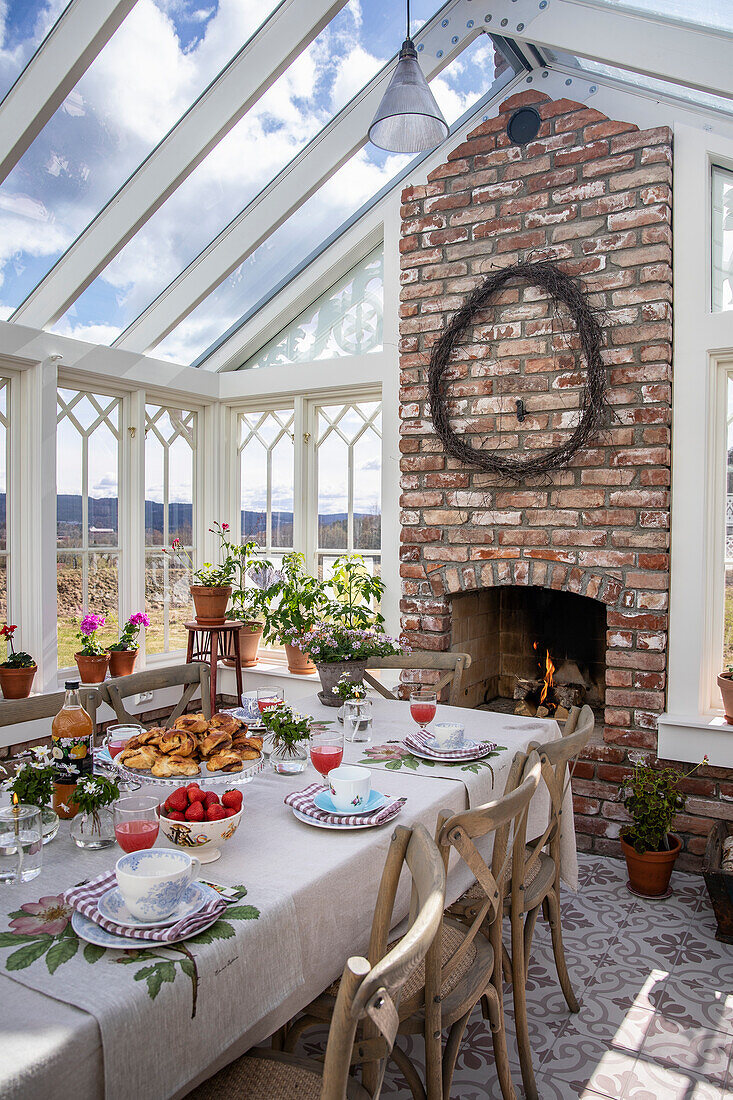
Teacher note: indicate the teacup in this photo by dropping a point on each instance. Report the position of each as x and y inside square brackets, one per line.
[448, 735]
[153, 882]
[250, 708]
[350, 787]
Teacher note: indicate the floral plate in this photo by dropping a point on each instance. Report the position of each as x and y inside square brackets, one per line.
[112, 906]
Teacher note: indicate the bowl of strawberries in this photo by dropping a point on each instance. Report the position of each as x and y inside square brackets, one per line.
[193, 818]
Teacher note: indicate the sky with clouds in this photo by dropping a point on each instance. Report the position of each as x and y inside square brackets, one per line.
[160, 59]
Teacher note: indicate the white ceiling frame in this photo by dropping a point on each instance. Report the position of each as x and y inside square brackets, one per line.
[65, 54]
[257, 65]
[343, 136]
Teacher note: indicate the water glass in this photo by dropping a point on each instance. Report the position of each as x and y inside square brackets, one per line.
[269, 697]
[358, 720]
[21, 843]
[136, 822]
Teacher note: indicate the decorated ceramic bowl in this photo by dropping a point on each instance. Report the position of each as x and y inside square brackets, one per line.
[201, 838]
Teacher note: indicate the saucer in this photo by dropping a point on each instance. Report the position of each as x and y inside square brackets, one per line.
[467, 744]
[324, 802]
[93, 933]
[112, 906]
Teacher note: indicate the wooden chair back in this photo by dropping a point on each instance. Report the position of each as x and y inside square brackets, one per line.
[369, 991]
[191, 677]
[37, 707]
[451, 665]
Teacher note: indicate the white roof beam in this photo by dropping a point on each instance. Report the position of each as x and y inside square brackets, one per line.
[288, 31]
[344, 135]
[65, 54]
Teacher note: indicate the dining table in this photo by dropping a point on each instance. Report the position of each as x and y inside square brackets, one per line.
[81, 1021]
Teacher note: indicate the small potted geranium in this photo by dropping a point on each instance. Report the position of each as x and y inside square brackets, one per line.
[340, 651]
[211, 585]
[123, 654]
[92, 659]
[289, 732]
[17, 670]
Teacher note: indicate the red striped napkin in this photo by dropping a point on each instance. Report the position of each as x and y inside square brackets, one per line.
[421, 741]
[84, 898]
[302, 801]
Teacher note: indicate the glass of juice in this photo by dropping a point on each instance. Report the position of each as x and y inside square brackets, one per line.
[269, 697]
[423, 702]
[136, 822]
[117, 736]
[327, 749]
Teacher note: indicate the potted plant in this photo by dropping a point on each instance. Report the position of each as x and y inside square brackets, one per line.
[289, 732]
[93, 826]
[17, 670]
[123, 654]
[340, 651]
[653, 798]
[725, 683]
[250, 601]
[92, 659]
[301, 602]
[355, 593]
[212, 585]
[33, 784]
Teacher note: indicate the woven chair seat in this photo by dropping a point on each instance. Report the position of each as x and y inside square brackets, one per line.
[536, 884]
[268, 1075]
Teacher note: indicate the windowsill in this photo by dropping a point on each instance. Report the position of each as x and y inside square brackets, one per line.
[679, 738]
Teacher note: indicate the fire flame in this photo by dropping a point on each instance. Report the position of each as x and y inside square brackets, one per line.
[16, 800]
[549, 672]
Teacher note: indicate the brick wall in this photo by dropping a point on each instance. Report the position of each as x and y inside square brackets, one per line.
[594, 195]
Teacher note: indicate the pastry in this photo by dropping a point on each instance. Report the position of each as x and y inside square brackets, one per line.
[179, 742]
[225, 722]
[140, 759]
[226, 761]
[168, 766]
[145, 737]
[194, 723]
[214, 741]
[247, 744]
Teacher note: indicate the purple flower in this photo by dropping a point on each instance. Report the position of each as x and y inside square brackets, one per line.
[91, 623]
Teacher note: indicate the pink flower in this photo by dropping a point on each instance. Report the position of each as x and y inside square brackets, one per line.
[91, 623]
[386, 752]
[48, 916]
[225, 526]
[139, 619]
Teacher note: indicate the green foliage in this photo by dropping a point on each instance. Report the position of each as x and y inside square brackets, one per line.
[18, 660]
[355, 593]
[286, 726]
[301, 601]
[91, 793]
[653, 798]
[33, 783]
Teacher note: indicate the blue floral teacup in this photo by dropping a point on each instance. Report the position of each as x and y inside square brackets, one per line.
[250, 708]
[154, 881]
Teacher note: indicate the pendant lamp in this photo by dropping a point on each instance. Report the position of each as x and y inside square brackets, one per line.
[408, 119]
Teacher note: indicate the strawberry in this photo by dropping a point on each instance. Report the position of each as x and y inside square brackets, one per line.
[174, 815]
[190, 787]
[215, 812]
[178, 800]
[232, 800]
[195, 811]
[231, 812]
[196, 795]
[211, 799]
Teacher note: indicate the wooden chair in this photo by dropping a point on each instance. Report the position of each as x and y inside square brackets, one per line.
[368, 998]
[452, 665]
[191, 677]
[38, 707]
[464, 962]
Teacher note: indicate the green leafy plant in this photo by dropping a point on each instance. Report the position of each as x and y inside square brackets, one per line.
[255, 581]
[286, 726]
[300, 604]
[328, 643]
[33, 779]
[653, 798]
[355, 592]
[13, 659]
[91, 793]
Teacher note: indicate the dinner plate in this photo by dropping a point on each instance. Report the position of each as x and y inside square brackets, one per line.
[328, 825]
[112, 906]
[87, 930]
[324, 802]
[482, 751]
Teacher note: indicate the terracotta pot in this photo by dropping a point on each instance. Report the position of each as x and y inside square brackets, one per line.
[249, 643]
[92, 670]
[211, 603]
[725, 683]
[298, 662]
[650, 872]
[16, 683]
[332, 672]
[122, 661]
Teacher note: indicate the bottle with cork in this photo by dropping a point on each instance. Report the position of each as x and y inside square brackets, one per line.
[72, 740]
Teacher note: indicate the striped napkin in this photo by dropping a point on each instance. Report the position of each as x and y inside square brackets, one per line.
[416, 739]
[302, 801]
[84, 899]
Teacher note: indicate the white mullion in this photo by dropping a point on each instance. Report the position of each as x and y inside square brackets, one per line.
[166, 542]
[350, 499]
[304, 539]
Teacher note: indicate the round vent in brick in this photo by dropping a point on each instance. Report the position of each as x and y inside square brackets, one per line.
[564, 289]
[524, 125]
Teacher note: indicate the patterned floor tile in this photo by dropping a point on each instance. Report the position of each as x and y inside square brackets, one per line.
[693, 1005]
[699, 1051]
[651, 1081]
[589, 1064]
[623, 1027]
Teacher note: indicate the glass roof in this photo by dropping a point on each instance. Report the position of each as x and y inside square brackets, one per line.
[717, 14]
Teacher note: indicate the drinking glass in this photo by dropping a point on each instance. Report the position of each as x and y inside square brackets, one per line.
[358, 720]
[269, 697]
[423, 702]
[136, 822]
[327, 749]
[117, 736]
[21, 843]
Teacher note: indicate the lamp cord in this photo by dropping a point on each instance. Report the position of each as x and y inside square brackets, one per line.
[408, 19]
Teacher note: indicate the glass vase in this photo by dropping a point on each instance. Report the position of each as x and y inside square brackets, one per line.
[290, 759]
[95, 830]
[49, 823]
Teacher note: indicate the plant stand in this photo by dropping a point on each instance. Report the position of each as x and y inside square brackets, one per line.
[211, 643]
[719, 882]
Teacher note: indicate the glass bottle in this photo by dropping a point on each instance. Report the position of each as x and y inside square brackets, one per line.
[72, 739]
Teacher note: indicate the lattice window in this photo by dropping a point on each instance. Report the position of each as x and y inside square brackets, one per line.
[267, 478]
[87, 513]
[4, 502]
[170, 449]
[349, 472]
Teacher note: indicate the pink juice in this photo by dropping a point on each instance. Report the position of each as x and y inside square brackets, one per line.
[265, 704]
[133, 836]
[326, 757]
[423, 713]
[116, 747]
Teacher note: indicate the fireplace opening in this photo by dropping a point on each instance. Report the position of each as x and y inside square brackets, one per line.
[535, 651]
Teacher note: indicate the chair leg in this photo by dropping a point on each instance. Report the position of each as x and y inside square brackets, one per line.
[452, 1046]
[493, 1011]
[529, 926]
[519, 994]
[433, 1062]
[296, 1029]
[408, 1071]
[558, 950]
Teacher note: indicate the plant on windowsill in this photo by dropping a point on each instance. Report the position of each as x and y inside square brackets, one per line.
[300, 605]
[653, 798]
[123, 654]
[33, 783]
[211, 585]
[17, 670]
[340, 651]
[255, 584]
[92, 659]
[355, 593]
[725, 683]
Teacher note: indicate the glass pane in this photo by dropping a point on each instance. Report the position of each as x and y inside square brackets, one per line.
[254, 492]
[102, 483]
[267, 477]
[160, 59]
[4, 441]
[154, 488]
[180, 491]
[69, 446]
[333, 499]
[3, 588]
[717, 14]
[722, 239]
[103, 595]
[69, 606]
[368, 491]
[282, 493]
[728, 625]
[167, 602]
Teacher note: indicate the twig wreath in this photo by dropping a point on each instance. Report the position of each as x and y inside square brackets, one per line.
[563, 288]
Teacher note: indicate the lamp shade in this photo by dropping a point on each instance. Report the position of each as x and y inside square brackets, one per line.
[408, 119]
